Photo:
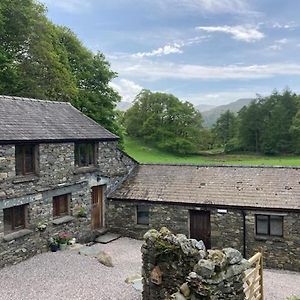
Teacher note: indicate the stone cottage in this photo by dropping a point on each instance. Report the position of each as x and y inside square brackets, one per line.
[56, 166]
[225, 206]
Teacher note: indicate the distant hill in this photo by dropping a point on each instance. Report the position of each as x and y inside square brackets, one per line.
[211, 116]
[123, 105]
[204, 107]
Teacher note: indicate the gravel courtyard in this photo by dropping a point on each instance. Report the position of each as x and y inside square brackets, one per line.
[68, 275]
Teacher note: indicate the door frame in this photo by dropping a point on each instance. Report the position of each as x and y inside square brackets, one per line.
[196, 209]
[103, 188]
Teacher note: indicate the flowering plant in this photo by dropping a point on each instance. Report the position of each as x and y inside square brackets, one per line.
[64, 237]
[52, 241]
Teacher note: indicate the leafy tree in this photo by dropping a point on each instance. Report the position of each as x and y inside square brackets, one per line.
[225, 127]
[41, 60]
[163, 120]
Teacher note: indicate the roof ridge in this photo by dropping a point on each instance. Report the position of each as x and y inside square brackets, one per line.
[32, 99]
[220, 166]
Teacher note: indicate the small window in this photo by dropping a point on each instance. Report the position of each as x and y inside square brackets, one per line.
[61, 205]
[14, 218]
[85, 154]
[270, 225]
[142, 214]
[25, 159]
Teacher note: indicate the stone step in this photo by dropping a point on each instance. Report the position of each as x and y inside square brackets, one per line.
[107, 238]
[101, 231]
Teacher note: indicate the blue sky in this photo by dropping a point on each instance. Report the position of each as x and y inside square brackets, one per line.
[203, 51]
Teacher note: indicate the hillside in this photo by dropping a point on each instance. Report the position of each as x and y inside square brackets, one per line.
[210, 116]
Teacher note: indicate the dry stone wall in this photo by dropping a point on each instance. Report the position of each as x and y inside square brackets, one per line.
[175, 267]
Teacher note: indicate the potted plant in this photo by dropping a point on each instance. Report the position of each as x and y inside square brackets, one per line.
[63, 239]
[53, 244]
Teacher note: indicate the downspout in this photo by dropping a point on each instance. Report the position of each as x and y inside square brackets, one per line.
[244, 232]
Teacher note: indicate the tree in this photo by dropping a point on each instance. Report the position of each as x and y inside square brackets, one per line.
[41, 60]
[225, 127]
[164, 121]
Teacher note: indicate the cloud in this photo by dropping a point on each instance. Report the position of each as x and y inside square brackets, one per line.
[126, 88]
[70, 6]
[171, 48]
[290, 25]
[242, 33]
[151, 71]
[278, 44]
[210, 6]
[165, 50]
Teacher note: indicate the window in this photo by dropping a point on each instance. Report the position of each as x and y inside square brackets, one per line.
[14, 218]
[142, 212]
[85, 154]
[25, 159]
[61, 205]
[271, 225]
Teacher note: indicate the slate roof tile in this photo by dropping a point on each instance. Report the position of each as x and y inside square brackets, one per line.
[255, 187]
[24, 119]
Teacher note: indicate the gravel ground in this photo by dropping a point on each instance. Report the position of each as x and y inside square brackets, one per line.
[66, 275]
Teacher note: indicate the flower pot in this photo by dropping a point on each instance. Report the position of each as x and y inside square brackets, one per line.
[53, 247]
[63, 246]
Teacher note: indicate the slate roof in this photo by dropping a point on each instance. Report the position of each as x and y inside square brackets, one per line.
[24, 119]
[252, 187]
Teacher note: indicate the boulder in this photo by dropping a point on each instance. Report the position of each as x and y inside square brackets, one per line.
[105, 259]
[205, 268]
[233, 256]
[218, 257]
[185, 290]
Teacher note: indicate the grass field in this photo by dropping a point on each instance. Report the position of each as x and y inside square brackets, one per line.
[146, 154]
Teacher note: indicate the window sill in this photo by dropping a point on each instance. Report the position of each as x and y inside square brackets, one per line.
[63, 220]
[16, 235]
[25, 178]
[89, 169]
[142, 225]
[269, 238]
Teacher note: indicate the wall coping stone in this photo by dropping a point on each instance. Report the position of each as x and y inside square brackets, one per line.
[16, 235]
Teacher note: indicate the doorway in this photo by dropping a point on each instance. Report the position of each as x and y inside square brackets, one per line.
[97, 207]
[200, 226]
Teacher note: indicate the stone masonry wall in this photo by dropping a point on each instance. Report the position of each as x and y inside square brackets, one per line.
[57, 175]
[226, 229]
[279, 252]
[175, 267]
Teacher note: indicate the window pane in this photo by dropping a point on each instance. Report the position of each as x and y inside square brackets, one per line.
[60, 205]
[29, 159]
[19, 212]
[262, 224]
[84, 154]
[7, 219]
[143, 214]
[19, 160]
[276, 223]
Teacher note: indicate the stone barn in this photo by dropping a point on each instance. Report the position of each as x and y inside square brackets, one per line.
[225, 206]
[56, 166]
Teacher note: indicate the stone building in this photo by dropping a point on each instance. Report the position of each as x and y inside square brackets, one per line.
[56, 166]
[240, 207]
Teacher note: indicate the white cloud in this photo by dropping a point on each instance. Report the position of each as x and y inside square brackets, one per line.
[165, 50]
[290, 25]
[70, 6]
[278, 44]
[126, 88]
[211, 6]
[151, 71]
[245, 33]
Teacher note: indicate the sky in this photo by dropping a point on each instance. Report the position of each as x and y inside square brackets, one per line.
[202, 51]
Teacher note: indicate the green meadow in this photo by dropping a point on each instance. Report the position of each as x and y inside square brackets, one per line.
[147, 154]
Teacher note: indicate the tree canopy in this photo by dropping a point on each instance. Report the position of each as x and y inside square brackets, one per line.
[41, 60]
[164, 121]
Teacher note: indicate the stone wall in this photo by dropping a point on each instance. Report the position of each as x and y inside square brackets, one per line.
[279, 252]
[227, 229]
[175, 267]
[57, 175]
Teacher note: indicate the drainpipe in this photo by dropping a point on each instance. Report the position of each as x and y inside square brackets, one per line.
[244, 232]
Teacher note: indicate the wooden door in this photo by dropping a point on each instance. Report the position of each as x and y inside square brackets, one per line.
[200, 226]
[97, 207]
